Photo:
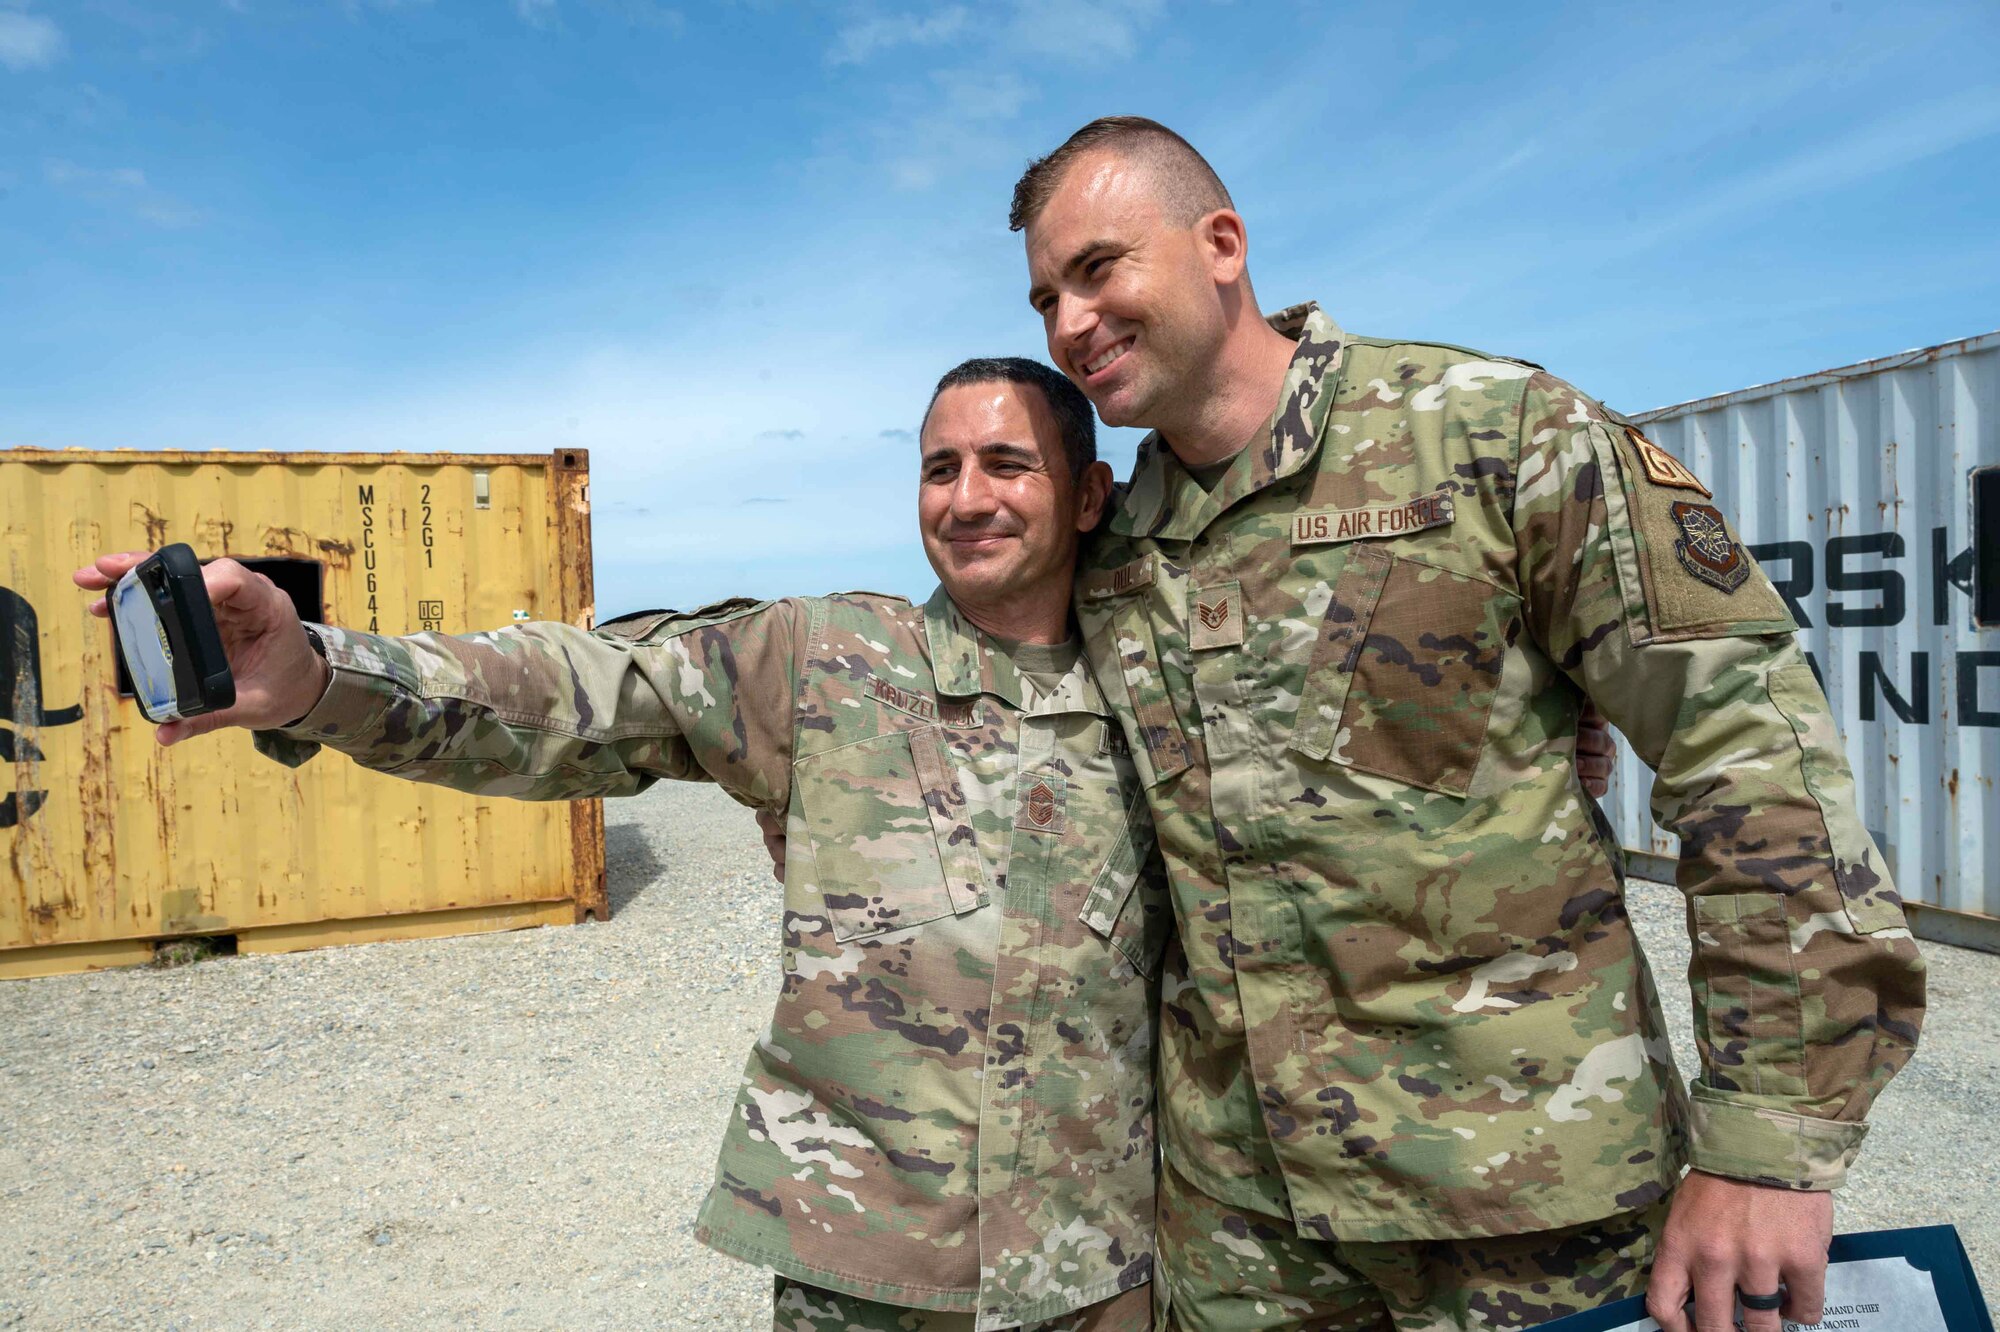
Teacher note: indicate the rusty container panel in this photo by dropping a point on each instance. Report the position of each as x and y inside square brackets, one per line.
[111, 842]
[1857, 490]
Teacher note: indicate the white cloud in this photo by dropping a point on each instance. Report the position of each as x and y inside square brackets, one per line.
[28, 41]
[547, 14]
[1081, 29]
[953, 126]
[858, 41]
[1890, 143]
[949, 121]
[124, 188]
[679, 439]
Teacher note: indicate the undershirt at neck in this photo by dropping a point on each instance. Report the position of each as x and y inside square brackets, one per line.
[1207, 474]
[1044, 664]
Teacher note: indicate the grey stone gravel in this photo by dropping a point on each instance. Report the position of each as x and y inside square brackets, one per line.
[513, 1131]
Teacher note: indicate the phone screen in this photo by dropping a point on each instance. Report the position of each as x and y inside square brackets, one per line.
[142, 638]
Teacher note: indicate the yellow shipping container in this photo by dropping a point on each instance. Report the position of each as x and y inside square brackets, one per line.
[111, 842]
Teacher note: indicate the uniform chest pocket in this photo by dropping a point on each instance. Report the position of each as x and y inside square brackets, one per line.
[1405, 671]
[892, 838]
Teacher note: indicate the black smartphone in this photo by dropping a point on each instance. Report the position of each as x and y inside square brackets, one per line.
[164, 627]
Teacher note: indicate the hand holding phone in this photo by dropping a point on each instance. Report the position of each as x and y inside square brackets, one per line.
[276, 674]
[164, 626]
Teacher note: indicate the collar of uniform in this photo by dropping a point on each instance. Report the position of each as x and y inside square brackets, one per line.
[968, 661]
[1165, 501]
[962, 658]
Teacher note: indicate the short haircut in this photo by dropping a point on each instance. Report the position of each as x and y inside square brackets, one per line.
[1075, 423]
[1187, 185]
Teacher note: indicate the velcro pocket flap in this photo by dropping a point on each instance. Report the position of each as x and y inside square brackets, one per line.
[951, 821]
[1108, 909]
[1343, 630]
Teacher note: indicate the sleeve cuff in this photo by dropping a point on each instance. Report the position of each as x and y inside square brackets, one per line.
[349, 712]
[1761, 1145]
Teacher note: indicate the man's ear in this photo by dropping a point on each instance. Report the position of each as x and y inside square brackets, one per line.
[1227, 244]
[1093, 495]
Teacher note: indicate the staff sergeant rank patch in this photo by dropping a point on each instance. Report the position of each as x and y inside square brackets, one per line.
[1706, 548]
[1218, 616]
[1321, 527]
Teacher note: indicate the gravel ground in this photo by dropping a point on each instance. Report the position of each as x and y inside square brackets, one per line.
[513, 1131]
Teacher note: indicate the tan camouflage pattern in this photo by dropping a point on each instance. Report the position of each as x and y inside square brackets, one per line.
[1411, 1004]
[1222, 1269]
[797, 1308]
[952, 1107]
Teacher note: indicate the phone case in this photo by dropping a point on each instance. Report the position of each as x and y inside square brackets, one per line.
[171, 582]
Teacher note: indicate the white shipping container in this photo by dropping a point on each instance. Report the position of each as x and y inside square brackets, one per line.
[1871, 495]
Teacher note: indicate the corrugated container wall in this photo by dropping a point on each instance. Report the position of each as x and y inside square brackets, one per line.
[111, 842]
[1855, 489]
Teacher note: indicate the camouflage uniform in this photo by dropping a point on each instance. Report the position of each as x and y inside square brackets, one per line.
[796, 1308]
[952, 1108]
[1241, 1271]
[1413, 1007]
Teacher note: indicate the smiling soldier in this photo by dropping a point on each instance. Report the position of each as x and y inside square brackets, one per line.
[1414, 1070]
[949, 1123]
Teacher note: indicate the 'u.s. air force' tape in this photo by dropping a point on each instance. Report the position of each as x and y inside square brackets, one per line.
[1317, 527]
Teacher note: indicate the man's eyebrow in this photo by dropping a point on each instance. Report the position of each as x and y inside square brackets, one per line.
[997, 449]
[1000, 448]
[1089, 251]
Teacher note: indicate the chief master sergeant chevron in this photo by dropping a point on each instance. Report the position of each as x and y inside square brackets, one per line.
[949, 1122]
[1416, 1073]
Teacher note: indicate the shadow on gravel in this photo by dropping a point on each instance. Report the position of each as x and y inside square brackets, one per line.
[630, 867]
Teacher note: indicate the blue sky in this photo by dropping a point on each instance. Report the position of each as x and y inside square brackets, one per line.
[729, 247]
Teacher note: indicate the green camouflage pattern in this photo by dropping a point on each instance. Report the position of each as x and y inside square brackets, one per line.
[952, 1107]
[797, 1308]
[1410, 1003]
[1223, 1269]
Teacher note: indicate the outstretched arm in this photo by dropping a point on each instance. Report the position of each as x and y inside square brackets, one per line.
[535, 711]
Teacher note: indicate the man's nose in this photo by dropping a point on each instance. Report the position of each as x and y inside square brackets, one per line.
[1073, 323]
[972, 497]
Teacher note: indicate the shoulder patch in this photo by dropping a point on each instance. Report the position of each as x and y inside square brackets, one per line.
[1707, 548]
[1661, 467]
[1695, 577]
